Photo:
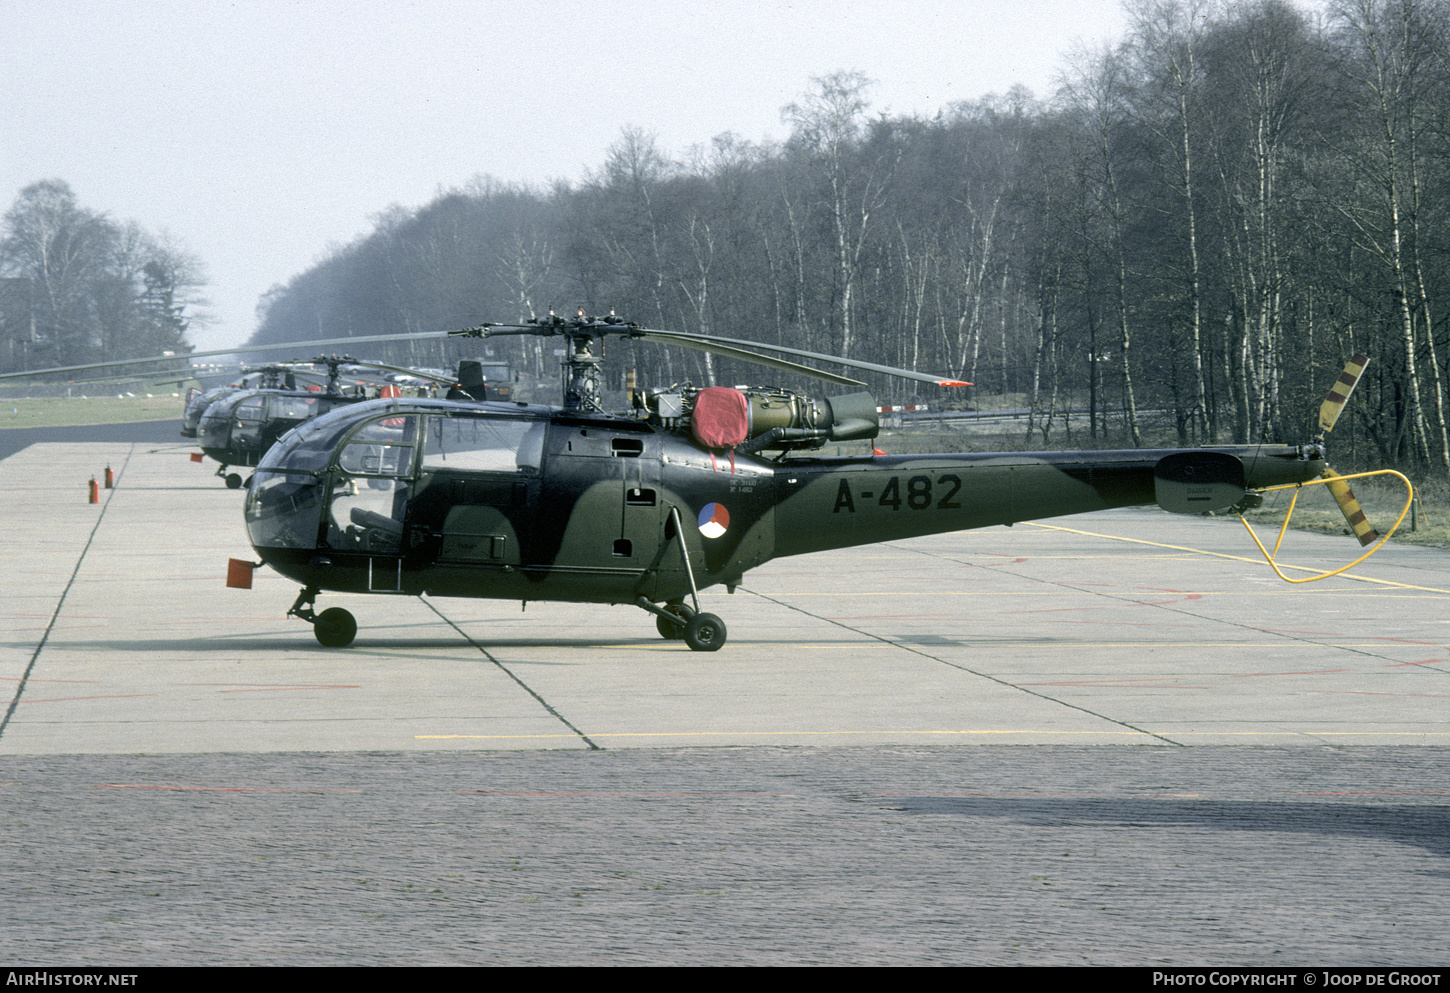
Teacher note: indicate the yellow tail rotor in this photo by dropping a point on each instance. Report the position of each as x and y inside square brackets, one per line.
[1339, 393]
[1349, 506]
[1338, 485]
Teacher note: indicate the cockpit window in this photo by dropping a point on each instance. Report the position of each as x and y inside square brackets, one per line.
[250, 409]
[381, 448]
[293, 408]
[283, 509]
[483, 443]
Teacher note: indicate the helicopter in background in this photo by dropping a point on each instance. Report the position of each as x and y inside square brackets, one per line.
[690, 489]
[236, 423]
[271, 377]
[238, 427]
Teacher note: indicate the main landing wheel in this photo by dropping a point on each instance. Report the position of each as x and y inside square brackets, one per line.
[705, 633]
[234, 481]
[335, 627]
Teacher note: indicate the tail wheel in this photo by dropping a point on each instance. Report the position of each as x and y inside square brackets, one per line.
[705, 633]
[335, 627]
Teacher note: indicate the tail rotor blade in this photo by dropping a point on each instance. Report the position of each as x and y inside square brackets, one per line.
[1339, 393]
[1349, 506]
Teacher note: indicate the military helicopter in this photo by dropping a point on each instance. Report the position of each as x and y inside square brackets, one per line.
[690, 489]
[237, 423]
[238, 427]
[272, 377]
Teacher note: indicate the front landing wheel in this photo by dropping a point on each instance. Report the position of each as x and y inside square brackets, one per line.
[705, 633]
[335, 627]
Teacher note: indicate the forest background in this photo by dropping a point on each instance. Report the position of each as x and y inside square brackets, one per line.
[1183, 244]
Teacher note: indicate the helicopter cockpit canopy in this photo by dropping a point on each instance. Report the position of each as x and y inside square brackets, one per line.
[197, 402]
[238, 422]
[343, 480]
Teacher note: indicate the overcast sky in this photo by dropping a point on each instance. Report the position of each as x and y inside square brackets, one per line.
[259, 134]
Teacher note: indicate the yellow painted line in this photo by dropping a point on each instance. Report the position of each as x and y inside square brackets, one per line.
[1083, 587]
[814, 734]
[1312, 733]
[981, 640]
[1224, 555]
[757, 734]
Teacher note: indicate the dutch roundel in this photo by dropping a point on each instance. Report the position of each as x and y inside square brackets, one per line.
[714, 519]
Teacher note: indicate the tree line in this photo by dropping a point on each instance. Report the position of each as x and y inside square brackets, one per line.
[1182, 244]
[78, 287]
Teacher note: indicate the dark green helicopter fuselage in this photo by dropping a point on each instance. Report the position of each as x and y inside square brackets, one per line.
[521, 502]
[239, 427]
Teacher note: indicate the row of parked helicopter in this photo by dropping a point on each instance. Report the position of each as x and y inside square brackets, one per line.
[237, 423]
[474, 495]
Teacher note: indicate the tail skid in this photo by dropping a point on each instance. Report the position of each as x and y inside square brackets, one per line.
[1332, 480]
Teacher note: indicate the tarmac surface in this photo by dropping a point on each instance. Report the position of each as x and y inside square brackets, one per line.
[1114, 739]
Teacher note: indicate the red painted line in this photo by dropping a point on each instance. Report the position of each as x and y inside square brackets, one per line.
[1426, 662]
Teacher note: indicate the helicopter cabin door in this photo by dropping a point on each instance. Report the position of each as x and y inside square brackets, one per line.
[600, 514]
[372, 481]
[477, 490]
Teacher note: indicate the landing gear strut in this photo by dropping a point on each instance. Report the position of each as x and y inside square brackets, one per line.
[674, 620]
[334, 627]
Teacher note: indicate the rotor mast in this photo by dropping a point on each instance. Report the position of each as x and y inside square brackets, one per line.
[580, 367]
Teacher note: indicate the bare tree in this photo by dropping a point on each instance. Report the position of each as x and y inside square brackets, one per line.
[829, 124]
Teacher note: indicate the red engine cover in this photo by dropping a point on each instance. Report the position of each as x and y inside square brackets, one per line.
[721, 418]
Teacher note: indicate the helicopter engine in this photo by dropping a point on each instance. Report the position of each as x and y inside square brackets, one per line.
[754, 418]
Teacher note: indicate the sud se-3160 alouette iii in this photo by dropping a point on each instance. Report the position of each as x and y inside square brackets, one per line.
[690, 489]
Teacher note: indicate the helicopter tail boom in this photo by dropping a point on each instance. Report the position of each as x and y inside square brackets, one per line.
[837, 503]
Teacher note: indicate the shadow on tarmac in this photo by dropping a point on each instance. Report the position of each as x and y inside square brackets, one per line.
[1426, 827]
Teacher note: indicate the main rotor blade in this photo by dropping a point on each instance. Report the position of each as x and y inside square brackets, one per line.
[239, 350]
[1339, 393]
[730, 351]
[738, 348]
[700, 341]
[715, 346]
[158, 376]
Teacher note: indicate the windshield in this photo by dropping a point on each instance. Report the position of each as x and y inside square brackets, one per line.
[284, 509]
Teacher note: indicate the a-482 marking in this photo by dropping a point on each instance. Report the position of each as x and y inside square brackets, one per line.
[919, 492]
